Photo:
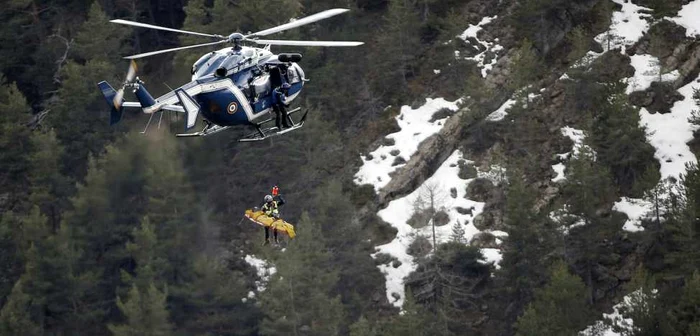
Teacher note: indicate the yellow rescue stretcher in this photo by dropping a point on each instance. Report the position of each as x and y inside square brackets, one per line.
[260, 218]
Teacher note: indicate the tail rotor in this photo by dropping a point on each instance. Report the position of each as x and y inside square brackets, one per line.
[130, 76]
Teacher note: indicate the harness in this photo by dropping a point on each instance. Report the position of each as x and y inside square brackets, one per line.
[271, 209]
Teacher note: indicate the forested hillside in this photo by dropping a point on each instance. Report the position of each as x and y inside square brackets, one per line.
[477, 167]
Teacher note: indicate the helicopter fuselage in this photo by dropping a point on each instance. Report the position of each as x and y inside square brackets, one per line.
[234, 86]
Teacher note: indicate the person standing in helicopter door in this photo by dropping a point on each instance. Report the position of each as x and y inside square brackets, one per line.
[279, 105]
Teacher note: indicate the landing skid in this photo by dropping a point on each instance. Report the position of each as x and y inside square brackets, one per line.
[258, 135]
[209, 129]
[262, 134]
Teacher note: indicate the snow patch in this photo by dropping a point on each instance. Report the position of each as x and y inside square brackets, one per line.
[501, 113]
[472, 32]
[688, 17]
[647, 69]
[577, 137]
[264, 269]
[559, 170]
[416, 126]
[635, 209]
[448, 193]
[625, 325]
[669, 134]
[628, 26]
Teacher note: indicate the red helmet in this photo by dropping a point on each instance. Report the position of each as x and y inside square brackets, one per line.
[275, 191]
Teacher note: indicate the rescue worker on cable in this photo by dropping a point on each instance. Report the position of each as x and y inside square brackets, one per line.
[271, 209]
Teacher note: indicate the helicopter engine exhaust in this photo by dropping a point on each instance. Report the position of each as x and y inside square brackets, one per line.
[287, 57]
[220, 72]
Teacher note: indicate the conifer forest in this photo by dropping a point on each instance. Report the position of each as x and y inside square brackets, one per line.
[476, 167]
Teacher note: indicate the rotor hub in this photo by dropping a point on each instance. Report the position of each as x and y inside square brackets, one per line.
[236, 38]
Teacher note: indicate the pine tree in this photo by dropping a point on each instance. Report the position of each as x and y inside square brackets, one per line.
[588, 190]
[11, 258]
[448, 286]
[171, 204]
[15, 145]
[78, 111]
[559, 308]
[412, 321]
[213, 301]
[684, 318]
[620, 143]
[49, 292]
[525, 67]
[362, 327]
[15, 314]
[145, 305]
[458, 232]
[300, 295]
[642, 307]
[588, 185]
[580, 44]
[196, 18]
[682, 227]
[49, 188]
[532, 239]
[400, 40]
[98, 38]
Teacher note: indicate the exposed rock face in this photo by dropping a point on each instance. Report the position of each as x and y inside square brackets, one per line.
[667, 41]
[612, 66]
[558, 22]
[480, 190]
[430, 155]
[660, 97]
[690, 65]
[484, 240]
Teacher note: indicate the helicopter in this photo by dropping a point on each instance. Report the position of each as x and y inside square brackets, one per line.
[230, 87]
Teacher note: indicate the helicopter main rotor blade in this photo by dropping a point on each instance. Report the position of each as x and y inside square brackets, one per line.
[173, 49]
[309, 43]
[145, 25]
[300, 22]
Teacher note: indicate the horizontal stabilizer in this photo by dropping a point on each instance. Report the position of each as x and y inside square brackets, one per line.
[115, 109]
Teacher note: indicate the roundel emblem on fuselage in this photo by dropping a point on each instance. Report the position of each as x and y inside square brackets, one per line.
[232, 108]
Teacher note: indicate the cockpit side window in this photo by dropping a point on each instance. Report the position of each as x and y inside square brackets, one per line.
[197, 65]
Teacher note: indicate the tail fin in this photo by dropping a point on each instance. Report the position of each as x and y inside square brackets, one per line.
[116, 109]
[190, 106]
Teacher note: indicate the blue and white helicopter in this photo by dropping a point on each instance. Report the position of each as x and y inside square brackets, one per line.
[232, 86]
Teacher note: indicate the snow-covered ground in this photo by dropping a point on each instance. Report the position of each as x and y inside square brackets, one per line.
[689, 17]
[647, 70]
[577, 137]
[264, 269]
[448, 193]
[415, 127]
[615, 318]
[501, 112]
[472, 32]
[669, 133]
[627, 27]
